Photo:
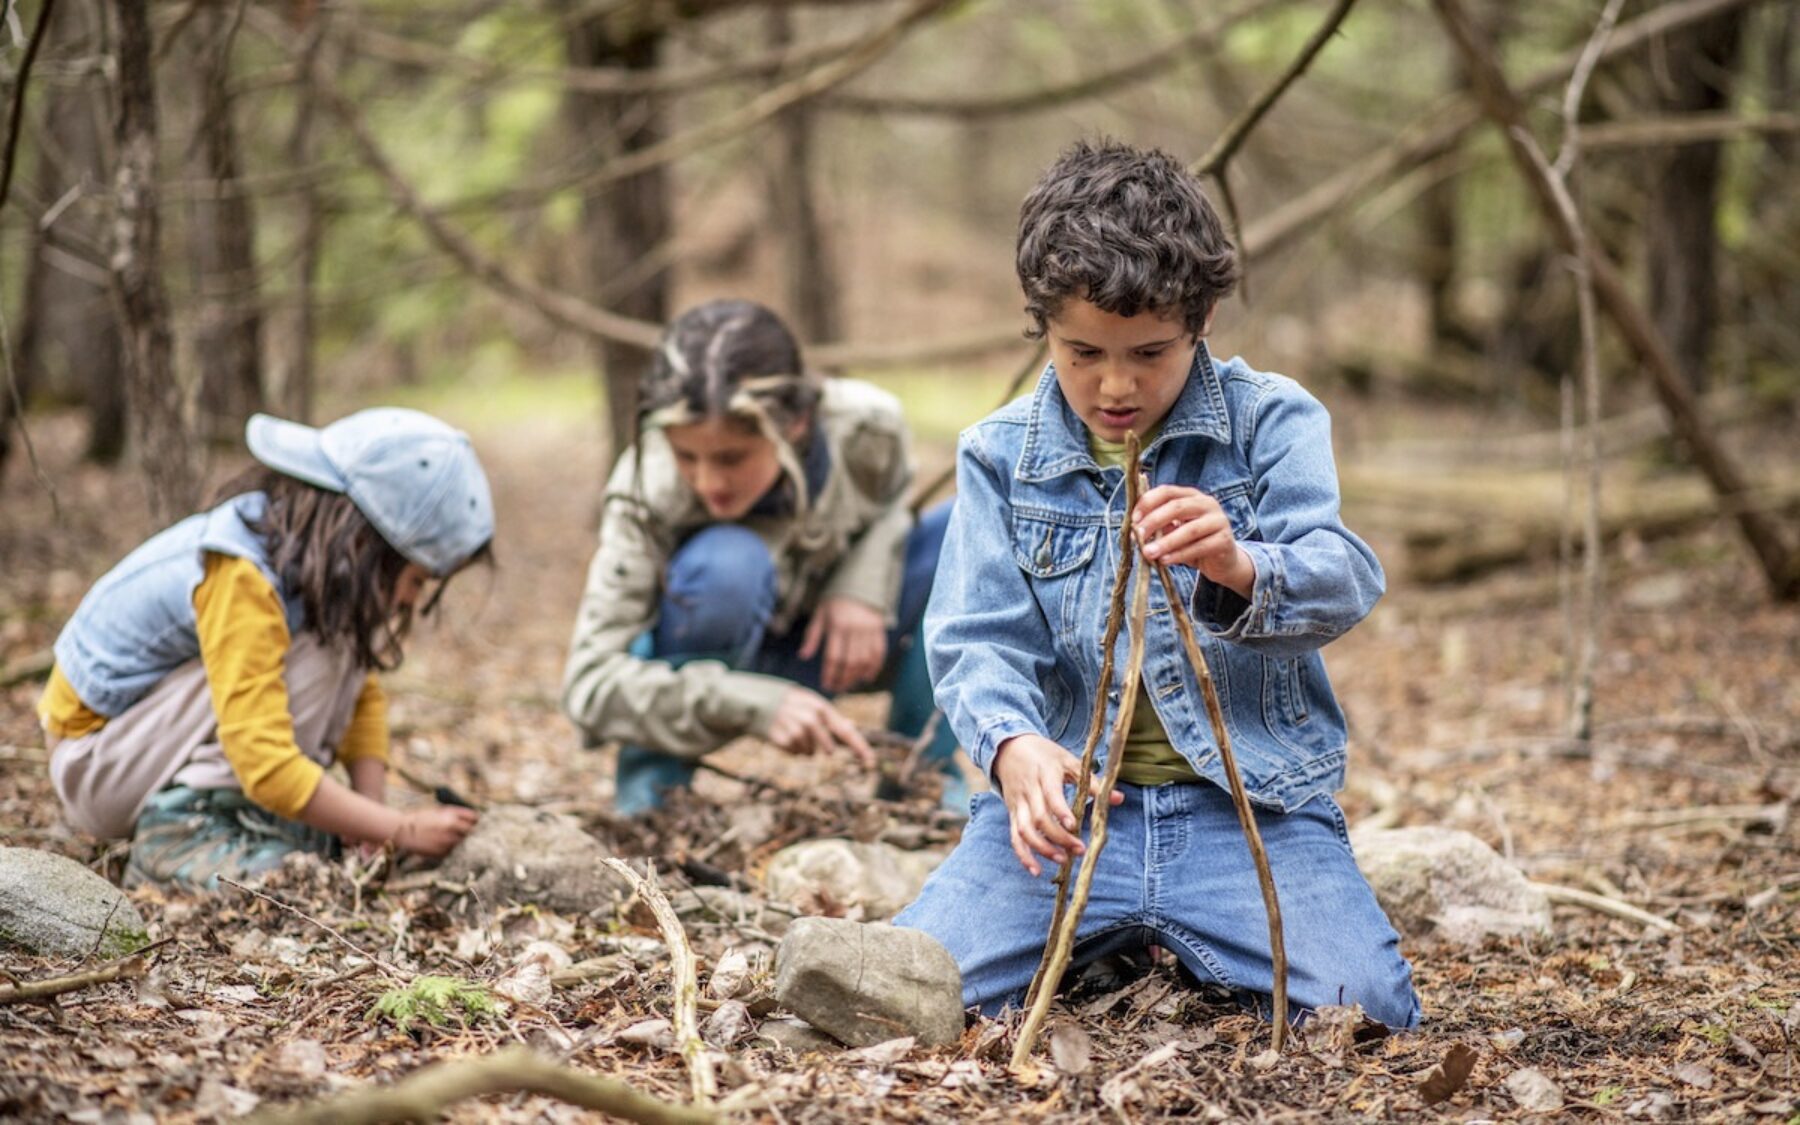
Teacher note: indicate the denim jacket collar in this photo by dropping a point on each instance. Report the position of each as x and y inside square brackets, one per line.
[1056, 440]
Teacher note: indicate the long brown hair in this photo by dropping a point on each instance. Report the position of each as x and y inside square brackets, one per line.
[321, 546]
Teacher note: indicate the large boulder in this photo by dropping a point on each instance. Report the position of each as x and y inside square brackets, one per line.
[527, 856]
[871, 881]
[866, 983]
[1447, 885]
[52, 906]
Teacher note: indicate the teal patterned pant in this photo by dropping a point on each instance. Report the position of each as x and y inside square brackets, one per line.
[190, 837]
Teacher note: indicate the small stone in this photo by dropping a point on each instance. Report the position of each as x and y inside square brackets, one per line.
[1447, 885]
[52, 906]
[1533, 1090]
[869, 983]
[525, 856]
[880, 879]
[797, 1036]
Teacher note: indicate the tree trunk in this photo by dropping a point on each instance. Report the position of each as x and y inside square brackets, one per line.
[624, 222]
[295, 325]
[221, 245]
[811, 282]
[69, 345]
[159, 431]
[1694, 77]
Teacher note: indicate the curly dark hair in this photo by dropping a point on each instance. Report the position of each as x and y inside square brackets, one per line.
[321, 545]
[1127, 229]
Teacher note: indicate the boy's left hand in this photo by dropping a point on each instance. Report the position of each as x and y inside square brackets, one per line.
[854, 637]
[1184, 525]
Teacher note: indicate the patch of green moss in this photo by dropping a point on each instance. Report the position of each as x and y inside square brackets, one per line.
[436, 1001]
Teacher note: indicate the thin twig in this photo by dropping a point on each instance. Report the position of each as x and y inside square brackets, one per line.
[1060, 945]
[36, 991]
[394, 972]
[687, 981]
[1605, 904]
[1241, 800]
[16, 117]
[424, 1095]
[1223, 149]
[1033, 364]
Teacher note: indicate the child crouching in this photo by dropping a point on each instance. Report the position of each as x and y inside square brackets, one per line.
[206, 683]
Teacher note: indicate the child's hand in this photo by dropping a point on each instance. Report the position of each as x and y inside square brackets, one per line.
[855, 641]
[806, 723]
[434, 831]
[1183, 525]
[1031, 770]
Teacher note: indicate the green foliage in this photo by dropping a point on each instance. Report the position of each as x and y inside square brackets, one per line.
[1607, 1095]
[437, 1001]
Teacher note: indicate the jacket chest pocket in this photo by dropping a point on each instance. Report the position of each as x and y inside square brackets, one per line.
[1235, 500]
[1056, 554]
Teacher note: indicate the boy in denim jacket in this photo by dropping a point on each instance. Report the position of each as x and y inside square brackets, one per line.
[1123, 262]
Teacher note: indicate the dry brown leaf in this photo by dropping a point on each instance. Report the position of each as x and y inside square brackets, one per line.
[1442, 1081]
[1071, 1049]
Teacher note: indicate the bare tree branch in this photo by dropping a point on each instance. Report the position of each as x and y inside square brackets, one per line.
[16, 116]
[1215, 161]
[1438, 131]
[1721, 470]
[1145, 67]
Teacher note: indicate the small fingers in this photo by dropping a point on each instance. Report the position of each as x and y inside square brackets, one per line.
[815, 631]
[846, 733]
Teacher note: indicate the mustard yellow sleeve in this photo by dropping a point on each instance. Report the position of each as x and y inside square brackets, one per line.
[243, 644]
[367, 734]
[62, 713]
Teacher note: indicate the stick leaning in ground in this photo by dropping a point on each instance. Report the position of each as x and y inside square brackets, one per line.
[1060, 943]
[687, 982]
[1246, 816]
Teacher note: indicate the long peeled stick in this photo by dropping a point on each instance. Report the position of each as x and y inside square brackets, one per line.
[1060, 944]
[1246, 817]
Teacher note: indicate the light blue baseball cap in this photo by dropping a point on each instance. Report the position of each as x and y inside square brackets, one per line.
[415, 478]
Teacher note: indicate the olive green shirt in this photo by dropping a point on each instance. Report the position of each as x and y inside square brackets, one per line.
[1149, 757]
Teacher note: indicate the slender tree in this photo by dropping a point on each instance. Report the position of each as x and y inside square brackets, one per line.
[158, 426]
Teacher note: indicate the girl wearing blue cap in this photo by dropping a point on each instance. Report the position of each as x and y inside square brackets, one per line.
[205, 684]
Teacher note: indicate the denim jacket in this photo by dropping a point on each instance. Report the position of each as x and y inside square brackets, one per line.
[137, 623]
[1015, 624]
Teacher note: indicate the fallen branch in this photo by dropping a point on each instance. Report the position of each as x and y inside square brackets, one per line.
[687, 981]
[16, 116]
[1241, 800]
[424, 1095]
[1065, 920]
[1605, 904]
[37, 991]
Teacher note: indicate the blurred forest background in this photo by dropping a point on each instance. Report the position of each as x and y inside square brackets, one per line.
[219, 207]
[1562, 359]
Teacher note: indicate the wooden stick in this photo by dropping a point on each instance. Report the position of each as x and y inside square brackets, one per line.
[393, 971]
[687, 981]
[35, 991]
[1115, 618]
[1605, 904]
[1060, 945]
[424, 1095]
[1240, 799]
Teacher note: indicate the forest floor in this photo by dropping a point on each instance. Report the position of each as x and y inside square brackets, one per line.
[1681, 806]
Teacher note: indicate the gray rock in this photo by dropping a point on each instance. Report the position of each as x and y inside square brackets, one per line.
[1533, 1090]
[1448, 885]
[55, 907]
[797, 1036]
[877, 878]
[526, 856]
[868, 983]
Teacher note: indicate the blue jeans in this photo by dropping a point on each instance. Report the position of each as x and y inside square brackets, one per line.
[1176, 872]
[718, 597]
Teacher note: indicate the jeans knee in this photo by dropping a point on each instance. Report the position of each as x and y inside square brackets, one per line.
[719, 593]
